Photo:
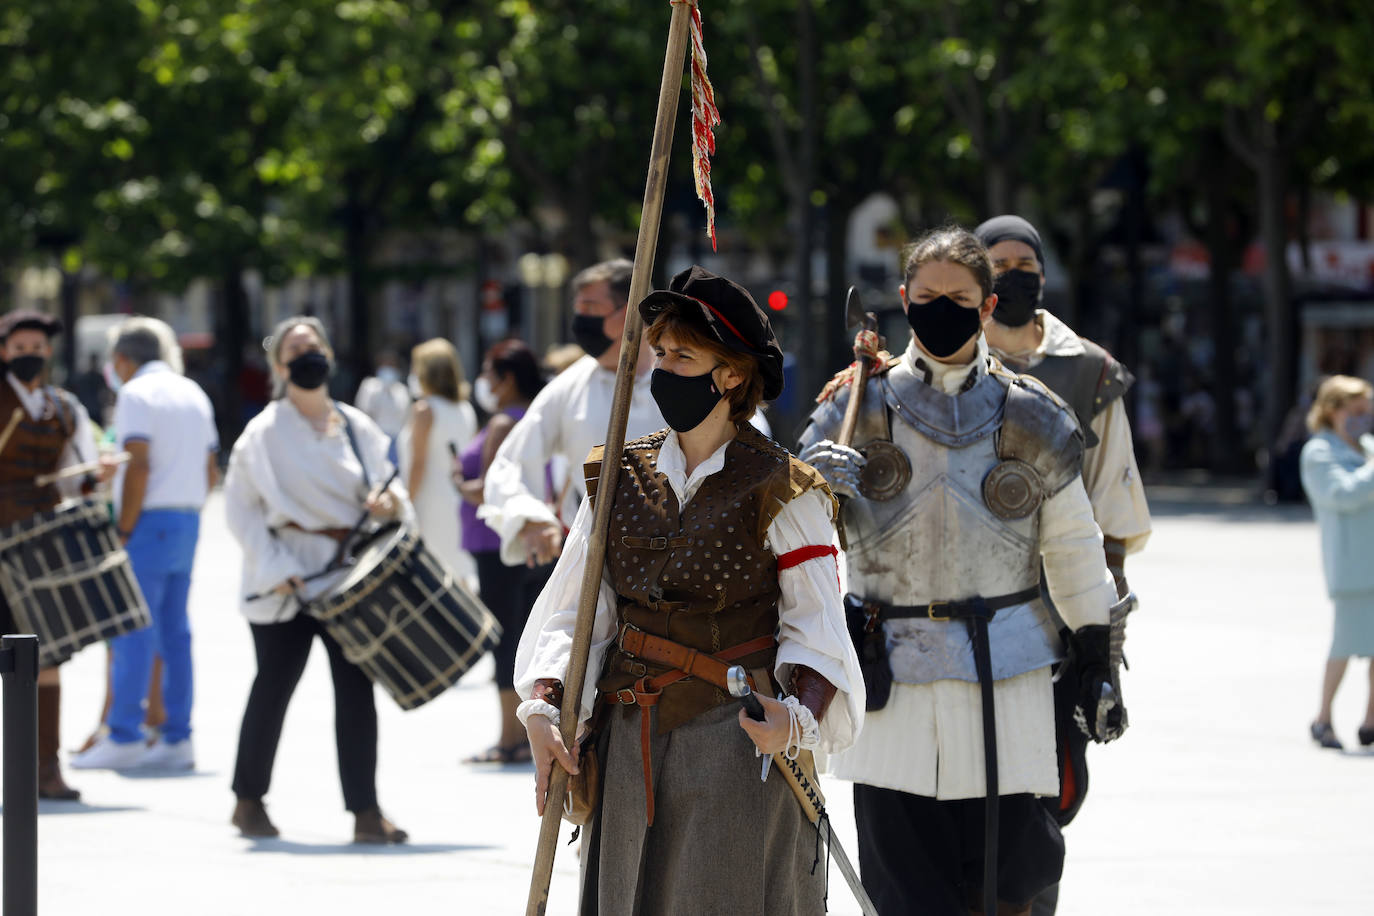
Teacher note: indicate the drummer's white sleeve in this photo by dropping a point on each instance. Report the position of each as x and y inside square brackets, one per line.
[547, 641]
[266, 562]
[510, 495]
[811, 626]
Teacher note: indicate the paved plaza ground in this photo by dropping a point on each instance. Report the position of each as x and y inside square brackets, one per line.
[1215, 802]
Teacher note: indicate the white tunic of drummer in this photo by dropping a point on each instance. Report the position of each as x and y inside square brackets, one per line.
[286, 481]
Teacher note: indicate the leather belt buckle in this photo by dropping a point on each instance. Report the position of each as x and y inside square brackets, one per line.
[659, 543]
[625, 628]
[873, 612]
[637, 669]
[930, 610]
[626, 696]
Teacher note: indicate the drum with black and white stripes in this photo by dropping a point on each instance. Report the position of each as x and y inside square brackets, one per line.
[404, 618]
[67, 579]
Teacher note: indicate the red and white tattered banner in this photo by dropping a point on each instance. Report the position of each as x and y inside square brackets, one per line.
[705, 118]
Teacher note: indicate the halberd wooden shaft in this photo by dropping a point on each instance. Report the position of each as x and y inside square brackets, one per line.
[669, 90]
[857, 387]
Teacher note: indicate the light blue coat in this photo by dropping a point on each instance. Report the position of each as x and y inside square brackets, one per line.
[1339, 481]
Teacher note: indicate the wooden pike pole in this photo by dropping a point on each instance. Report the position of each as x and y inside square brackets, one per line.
[669, 90]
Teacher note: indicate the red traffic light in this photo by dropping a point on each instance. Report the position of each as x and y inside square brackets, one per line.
[777, 300]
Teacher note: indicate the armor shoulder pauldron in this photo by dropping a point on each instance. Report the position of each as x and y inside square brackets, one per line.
[1039, 429]
[1113, 380]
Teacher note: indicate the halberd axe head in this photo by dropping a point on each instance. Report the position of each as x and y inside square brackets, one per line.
[853, 308]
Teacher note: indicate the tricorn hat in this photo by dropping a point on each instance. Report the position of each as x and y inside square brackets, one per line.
[728, 315]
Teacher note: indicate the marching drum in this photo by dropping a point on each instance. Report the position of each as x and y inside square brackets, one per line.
[68, 580]
[406, 620]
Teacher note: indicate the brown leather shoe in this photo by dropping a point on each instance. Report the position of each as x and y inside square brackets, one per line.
[371, 826]
[52, 785]
[250, 816]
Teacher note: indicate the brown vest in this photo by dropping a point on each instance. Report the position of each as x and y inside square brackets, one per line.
[700, 576]
[34, 448]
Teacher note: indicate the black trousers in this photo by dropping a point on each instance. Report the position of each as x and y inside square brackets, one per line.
[920, 855]
[509, 593]
[282, 650]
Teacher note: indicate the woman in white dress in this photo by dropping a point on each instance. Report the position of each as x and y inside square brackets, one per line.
[440, 424]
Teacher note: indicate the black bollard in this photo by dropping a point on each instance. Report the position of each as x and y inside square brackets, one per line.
[19, 672]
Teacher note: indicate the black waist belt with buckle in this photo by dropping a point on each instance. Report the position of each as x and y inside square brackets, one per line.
[956, 610]
[976, 613]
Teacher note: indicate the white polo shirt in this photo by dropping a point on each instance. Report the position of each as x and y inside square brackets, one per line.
[172, 414]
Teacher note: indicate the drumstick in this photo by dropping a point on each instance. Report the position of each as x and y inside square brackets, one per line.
[9, 427]
[310, 578]
[337, 562]
[77, 470]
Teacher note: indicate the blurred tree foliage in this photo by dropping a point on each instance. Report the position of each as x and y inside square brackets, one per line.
[168, 139]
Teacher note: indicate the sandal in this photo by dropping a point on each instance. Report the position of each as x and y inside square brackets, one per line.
[518, 752]
[1325, 735]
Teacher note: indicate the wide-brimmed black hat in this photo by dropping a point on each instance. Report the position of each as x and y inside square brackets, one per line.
[727, 313]
[20, 319]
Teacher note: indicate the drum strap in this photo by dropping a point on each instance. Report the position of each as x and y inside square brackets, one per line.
[353, 444]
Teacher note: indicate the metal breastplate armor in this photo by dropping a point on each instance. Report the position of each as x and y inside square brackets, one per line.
[939, 539]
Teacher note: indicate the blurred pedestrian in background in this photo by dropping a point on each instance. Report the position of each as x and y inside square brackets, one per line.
[568, 418]
[91, 390]
[165, 422]
[440, 424]
[509, 381]
[298, 479]
[1338, 476]
[385, 396]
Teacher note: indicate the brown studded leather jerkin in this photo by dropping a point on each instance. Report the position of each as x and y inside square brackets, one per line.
[699, 576]
[34, 448]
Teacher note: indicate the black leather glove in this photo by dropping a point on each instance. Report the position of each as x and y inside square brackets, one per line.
[1101, 713]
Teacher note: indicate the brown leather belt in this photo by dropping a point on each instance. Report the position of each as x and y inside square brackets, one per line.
[684, 662]
[338, 535]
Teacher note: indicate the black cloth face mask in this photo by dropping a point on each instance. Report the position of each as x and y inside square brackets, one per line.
[28, 367]
[1019, 294]
[589, 334]
[684, 400]
[942, 325]
[309, 370]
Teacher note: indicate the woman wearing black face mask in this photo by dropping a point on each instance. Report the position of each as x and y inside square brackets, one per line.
[299, 475]
[721, 545]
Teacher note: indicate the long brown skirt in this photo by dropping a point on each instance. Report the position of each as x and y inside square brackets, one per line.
[722, 842]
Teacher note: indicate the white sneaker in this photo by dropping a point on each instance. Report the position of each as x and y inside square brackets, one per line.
[177, 755]
[106, 754]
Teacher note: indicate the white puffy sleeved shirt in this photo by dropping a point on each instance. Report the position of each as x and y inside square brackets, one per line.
[282, 472]
[567, 418]
[811, 628]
